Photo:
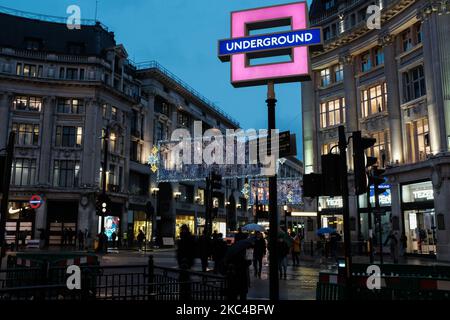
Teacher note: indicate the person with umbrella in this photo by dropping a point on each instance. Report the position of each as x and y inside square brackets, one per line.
[259, 252]
[237, 269]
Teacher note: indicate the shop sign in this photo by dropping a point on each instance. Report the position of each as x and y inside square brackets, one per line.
[423, 195]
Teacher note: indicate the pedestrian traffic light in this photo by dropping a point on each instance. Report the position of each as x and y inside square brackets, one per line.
[102, 205]
[331, 180]
[216, 181]
[361, 162]
[312, 185]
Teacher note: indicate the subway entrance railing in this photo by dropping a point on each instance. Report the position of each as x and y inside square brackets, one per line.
[125, 282]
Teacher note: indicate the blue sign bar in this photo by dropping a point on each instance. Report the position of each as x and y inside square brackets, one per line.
[268, 42]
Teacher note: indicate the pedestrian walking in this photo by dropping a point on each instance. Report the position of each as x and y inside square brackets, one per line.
[140, 239]
[204, 246]
[282, 252]
[80, 240]
[393, 246]
[259, 251]
[113, 238]
[219, 251]
[70, 236]
[240, 235]
[295, 250]
[185, 248]
[403, 244]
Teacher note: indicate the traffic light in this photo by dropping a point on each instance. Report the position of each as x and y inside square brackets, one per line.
[331, 180]
[102, 205]
[376, 177]
[215, 212]
[361, 161]
[216, 181]
[312, 185]
[149, 210]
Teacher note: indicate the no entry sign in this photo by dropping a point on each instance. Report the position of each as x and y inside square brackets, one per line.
[35, 201]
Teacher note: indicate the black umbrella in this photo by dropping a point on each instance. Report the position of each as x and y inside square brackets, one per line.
[239, 247]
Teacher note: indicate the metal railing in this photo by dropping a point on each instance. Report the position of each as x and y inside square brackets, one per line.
[48, 18]
[133, 282]
[155, 65]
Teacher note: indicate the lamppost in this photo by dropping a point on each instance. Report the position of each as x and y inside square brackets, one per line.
[197, 201]
[154, 216]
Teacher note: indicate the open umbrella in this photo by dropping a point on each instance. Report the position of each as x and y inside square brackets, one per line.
[253, 227]
[325, 230]
[239, 248]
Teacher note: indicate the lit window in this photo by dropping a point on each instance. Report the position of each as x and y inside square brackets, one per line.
[27, 103]
[26, 134]
[69, 136]
[373, 100]
[23, 172]
[332, 113]
[381, 147]
[325, 77]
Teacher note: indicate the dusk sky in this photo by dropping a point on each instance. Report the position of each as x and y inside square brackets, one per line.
[182, 36]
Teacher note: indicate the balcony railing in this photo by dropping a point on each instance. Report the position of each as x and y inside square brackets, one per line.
[155, 65]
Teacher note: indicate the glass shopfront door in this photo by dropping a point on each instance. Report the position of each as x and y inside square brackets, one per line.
[420, 230]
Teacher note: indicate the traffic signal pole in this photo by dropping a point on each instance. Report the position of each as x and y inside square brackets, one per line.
[345, 210]
[273, 206]
[377, 207]
[104, 168]
[369, 218]
[5, 195]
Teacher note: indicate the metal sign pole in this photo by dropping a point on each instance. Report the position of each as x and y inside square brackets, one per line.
[273, 207]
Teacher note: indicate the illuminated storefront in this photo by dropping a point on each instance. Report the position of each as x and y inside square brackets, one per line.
[386, 221]
[419, 218]
[330, 213]
[19, 222]
[188, 220]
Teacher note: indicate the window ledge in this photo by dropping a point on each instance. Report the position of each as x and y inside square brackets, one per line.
[413, 49]
[414, 102]
[373, 69]
[331, 85]
[374, 116]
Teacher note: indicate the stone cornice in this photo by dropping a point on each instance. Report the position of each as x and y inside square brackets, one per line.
[385, 40]
[438, 6]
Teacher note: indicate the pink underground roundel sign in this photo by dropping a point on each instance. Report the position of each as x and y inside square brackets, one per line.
[245, 46]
